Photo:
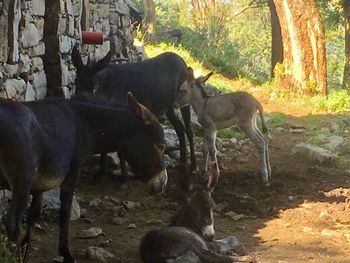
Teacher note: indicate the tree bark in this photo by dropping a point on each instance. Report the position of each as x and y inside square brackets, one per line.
[13, 26]
[304, 52]
[276, 40]
[149, 21]
[346, 75]
[4, 9]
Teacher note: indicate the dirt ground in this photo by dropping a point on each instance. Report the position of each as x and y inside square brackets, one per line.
[303, 216]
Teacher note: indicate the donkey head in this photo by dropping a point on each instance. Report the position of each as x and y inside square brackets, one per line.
[86, 80]
[144, 147]
[197, 213]
[189, 87]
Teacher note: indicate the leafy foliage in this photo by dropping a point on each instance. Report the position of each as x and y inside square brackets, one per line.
[6, 251]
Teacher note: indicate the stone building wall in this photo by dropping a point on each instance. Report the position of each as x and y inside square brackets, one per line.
[22, 75]
[37, 36]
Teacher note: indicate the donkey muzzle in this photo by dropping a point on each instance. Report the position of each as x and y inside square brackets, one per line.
[208, 232]
[158, 182]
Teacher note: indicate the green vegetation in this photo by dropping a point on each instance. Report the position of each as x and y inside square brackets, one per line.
[6, 251]
[236, 46]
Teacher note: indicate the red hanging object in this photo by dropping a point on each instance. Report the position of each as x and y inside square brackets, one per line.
[88, 37]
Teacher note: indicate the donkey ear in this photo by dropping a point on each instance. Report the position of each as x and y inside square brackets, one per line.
[203, 79]
[190, 75]
[76, 59]
[102, 63]
[141, 111]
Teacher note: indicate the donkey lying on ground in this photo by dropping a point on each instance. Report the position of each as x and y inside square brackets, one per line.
[190, 233]
[43, 145]
[223, 111]
[154, 82]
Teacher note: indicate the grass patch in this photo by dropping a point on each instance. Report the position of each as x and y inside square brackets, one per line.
[233, 132]
[278, 119]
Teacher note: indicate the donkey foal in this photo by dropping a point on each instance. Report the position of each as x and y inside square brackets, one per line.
[189, 236]
[223, 111]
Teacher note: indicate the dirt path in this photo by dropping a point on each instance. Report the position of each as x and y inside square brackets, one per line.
[303, 217]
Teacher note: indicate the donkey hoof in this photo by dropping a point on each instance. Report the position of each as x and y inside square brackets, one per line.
[69, 259]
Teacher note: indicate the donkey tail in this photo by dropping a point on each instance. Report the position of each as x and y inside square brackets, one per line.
[264, 126]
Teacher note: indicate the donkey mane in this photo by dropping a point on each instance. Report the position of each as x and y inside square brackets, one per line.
[203, 92]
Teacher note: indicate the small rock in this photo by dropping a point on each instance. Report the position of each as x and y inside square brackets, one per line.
[314, 153]
[230, 245]
[235, 216]
[89, 233]
[221, 206]
[99, 254]
[132, 226]
[119, 220]
[88, 220]
[58, 259]
[291, 198]
[287, 224]
[307, 229]
[233, 140]
[297, 130]
[130, 205]
[239, 228]
[331, 233]
[95, 202]
[83, 212]
[281, 129]
[119, 211]
[335, 127]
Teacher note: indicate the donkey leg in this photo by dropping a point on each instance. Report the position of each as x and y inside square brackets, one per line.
[20, 196]
[208, 256]
[248, 126]
[179, 129]
[123, 171]
[266, 149]
[186, 115]
[102, 168]
[214, 172]
[66, 197]
[33, 214]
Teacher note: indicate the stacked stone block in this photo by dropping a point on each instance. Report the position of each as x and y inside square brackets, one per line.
[22, 74]
[37, 36]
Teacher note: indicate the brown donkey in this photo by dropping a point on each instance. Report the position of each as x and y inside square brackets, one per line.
[224, 111]
[190, 233]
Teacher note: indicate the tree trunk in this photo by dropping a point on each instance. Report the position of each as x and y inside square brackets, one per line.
[304, 52]
[13, 22]
[4, 9]
[346, 75]
[201, 9]
[149, 21]
[276, 40]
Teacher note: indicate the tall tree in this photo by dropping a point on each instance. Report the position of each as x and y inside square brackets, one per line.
[203, 8]
[304, 52]
[149, 21]
[276, 39]
[346, 74]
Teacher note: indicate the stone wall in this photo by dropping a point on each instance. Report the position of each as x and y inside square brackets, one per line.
[37, 37]
[22, 74]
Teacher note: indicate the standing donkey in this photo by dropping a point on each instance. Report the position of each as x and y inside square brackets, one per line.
[223, 111]
[43, 145]
[154, 82]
